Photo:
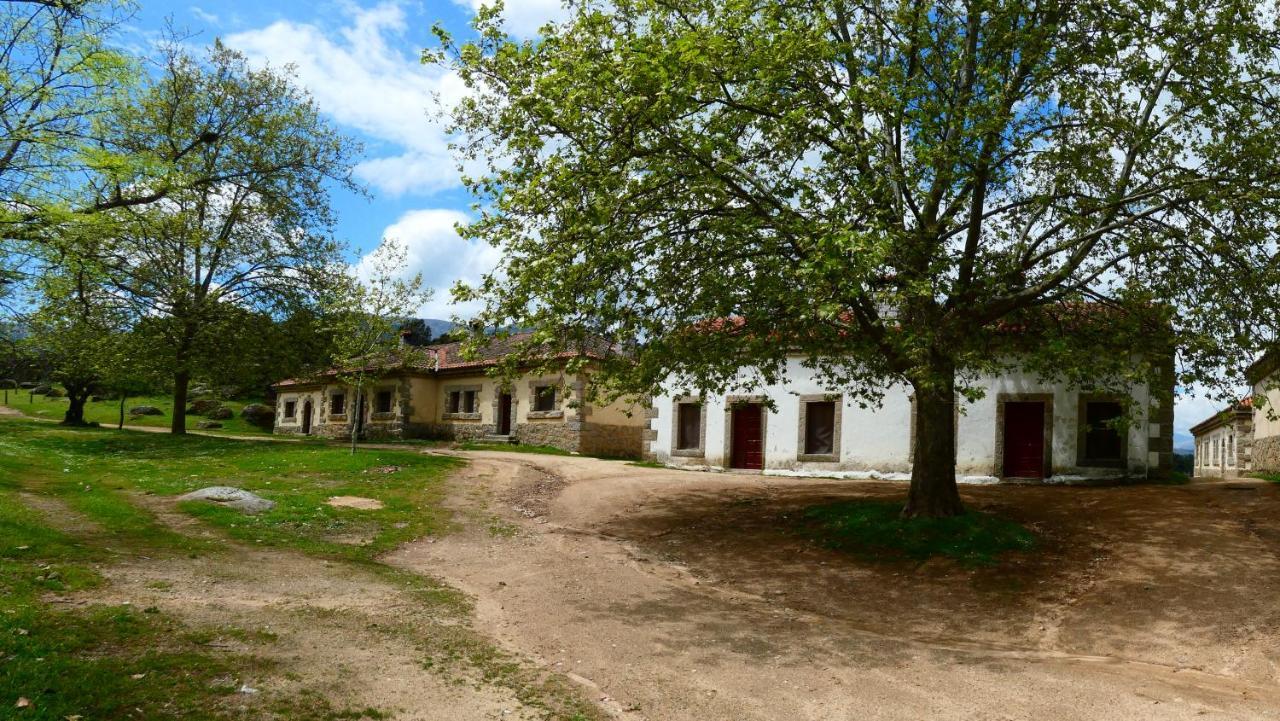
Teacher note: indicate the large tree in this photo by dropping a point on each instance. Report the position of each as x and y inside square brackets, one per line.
[242, 219]
[884, 188]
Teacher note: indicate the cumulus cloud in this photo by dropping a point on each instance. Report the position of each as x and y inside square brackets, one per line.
[434, 249]
[523, 18]
[362, 78]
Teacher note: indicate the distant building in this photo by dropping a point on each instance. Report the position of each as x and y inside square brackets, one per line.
[1224, 442]
[1264, 376]
[441, 394]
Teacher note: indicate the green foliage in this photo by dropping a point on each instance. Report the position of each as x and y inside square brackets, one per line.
[878, 530]
[894, 192]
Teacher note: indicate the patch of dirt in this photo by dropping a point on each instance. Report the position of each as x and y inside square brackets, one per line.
[58, 514]
[358, 502]
[345, 632]
[679, 595]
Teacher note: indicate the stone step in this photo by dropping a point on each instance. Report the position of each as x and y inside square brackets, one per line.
[498, 439]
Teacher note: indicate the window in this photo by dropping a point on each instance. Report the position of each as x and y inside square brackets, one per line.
[290, 408]
[544, 398]
[338, 404]
[819, 428]
[688, 426]
[452, 401]
[468, 401]
[1231, 450]
[382, 402]
[1102, 439]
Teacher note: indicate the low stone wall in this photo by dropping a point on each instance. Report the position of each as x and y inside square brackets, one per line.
[1264, 455]
[565, 435]
[599, 439]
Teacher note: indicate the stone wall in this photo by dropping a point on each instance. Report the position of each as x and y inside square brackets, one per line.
[599, 439]
[565, 435]
[1264, 456]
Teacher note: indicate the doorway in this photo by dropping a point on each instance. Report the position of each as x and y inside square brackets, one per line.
[747, 437]
[504, 414]
[1024, 439]
[306, 418]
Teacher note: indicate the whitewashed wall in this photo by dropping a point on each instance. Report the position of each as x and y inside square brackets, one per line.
[876, 442]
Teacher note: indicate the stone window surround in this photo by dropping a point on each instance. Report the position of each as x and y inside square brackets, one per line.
[291, 402]
[1082, 401]
[346, 403]
[1001, 400]
[834, 455]
[701, 450]
[460, 388]
[374, 415]
[556, 412]
[729, 403]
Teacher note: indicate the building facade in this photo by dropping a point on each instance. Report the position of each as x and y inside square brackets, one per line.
[1264, 377]
[1224, 443]
[1023, 428]
[442, 395]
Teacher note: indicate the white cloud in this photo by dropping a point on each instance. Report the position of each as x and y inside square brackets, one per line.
[523, 18]
[434, 249]
[359, 76]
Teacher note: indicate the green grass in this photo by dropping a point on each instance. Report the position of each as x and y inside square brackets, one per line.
[71, 661]
[876, 530]
[1271, 477]
[513, 448]
[82, 661]
[108, 412]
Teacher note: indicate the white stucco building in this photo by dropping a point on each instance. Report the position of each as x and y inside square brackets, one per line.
[1022, 428]
[1223, 442]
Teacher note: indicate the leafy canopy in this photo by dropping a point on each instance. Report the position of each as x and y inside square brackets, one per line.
[882, 187]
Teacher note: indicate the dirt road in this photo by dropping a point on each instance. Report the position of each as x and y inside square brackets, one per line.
[676, 595]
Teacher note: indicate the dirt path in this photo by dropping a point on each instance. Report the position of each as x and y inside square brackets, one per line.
[675, 596]
[345, 633]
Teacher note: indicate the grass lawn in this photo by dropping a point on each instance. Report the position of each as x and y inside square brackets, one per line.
[876, 530]
[100, 661]
[108, 412]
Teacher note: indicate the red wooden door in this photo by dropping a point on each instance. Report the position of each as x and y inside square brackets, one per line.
[504, 414]
[748, 437]
[1024, 440]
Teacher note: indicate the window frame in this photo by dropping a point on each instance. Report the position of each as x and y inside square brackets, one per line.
[539, 385]
[384, 393]
[336, 397]
[698, 451]
[1082, 415]
[456, 402]
[291, 409]
[802, 443]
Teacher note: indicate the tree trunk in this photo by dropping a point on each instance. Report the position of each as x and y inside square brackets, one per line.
[76, 397]
[933, 491]
[181, 380]
[123, 397]
[354, 414]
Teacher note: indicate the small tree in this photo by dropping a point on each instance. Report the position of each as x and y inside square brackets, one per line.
[244, 219]
[366, 320]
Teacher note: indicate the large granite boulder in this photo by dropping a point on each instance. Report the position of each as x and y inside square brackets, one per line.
[203, 406]
[221, 413]
[42, 389]
[145, 411]
[259, 415]
[54, 392]
[237, 498]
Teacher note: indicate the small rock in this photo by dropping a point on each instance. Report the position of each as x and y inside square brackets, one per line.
[237, 498]
[208, 425]
[221, 413]
[23, 702]
[138, 676]
[247, 689]
[145, 411]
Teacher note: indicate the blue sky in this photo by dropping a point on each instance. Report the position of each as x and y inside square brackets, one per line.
[360, 62]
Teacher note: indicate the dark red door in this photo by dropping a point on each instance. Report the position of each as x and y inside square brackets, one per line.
[504, 414]
[1024, 440]
[748, 437]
